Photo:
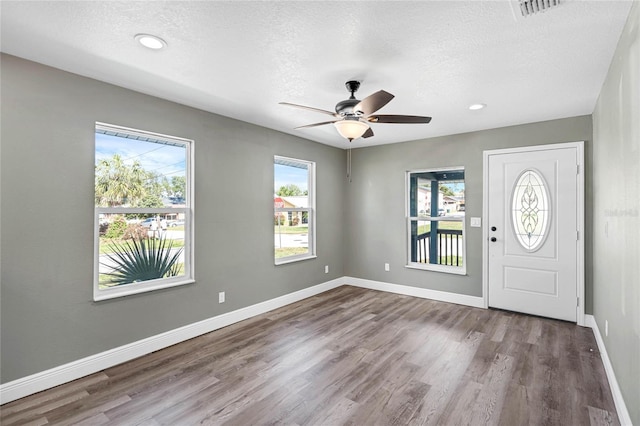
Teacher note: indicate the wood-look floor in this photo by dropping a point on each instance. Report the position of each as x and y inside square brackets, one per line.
[349, 356]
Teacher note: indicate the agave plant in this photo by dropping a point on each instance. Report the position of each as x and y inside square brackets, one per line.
[142, 260]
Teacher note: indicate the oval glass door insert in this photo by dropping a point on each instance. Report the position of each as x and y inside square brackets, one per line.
[530, 210]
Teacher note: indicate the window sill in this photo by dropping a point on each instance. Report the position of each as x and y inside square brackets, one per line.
[455, 270]
[285, 260]
[114, 293]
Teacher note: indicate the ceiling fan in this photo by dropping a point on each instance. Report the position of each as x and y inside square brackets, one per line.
[352, 116]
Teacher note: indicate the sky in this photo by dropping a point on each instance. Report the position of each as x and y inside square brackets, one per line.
[166, 160]
[285, 175]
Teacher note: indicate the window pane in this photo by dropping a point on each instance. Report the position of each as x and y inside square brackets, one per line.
[530, 205]
[139, 173]
[436, 206]
[291, 234]
[140, 247]
[293, 212]
[444, 249]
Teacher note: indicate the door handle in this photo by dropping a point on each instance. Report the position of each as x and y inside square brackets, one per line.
[494, 239]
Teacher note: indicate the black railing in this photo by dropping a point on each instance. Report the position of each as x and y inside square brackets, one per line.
[448, 248]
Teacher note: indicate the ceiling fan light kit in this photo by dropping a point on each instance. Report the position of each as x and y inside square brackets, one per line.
[352, 115]
[351, 129]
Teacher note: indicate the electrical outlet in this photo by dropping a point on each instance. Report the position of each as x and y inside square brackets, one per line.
[326, 269]
[221, 297]
[606, 327]
[386, 267]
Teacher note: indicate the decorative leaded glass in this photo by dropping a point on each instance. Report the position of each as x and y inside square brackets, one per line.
[530, 210]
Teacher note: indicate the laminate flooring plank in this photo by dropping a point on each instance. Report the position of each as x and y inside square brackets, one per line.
[349, 356]
[325, 391]
[516, 407]
[148, 422]
[98, 419]
[489, 403]
[598, 417]
[36, 422]
[50, 398]
[339, 413]
[22, 417]
[265, 410]
[210, 399]
[376, 376]
[143, 405]
[500, 328]
[88, 411]
[445, 377]
[535, 330]
[596, 388]
[458, 410]
[398, 398]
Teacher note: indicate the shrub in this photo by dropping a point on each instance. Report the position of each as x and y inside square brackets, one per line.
[278, 219]
[116, 228]
[134, 231]
[295, 221]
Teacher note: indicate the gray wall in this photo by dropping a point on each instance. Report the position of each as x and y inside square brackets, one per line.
[376, 227]
[47, 314]
[616, 195]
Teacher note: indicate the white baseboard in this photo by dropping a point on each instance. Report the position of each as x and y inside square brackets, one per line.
[442, 296]
[92, 364]
[621, 407]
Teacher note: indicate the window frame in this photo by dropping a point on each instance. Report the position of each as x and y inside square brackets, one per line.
[450, 269]
[311, 212]
[188, 211]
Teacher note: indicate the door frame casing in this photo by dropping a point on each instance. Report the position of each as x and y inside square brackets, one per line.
[580, 273]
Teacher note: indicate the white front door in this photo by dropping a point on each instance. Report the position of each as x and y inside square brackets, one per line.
[533, 218]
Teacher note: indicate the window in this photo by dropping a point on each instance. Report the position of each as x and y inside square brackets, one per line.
[435, 220]
[143, 212]
[530, 210]
[293, 209]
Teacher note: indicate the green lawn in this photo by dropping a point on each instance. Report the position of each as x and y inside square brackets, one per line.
[290, 251]
[104, 280]
[423, 229]
[291, 229]
[448, 260]
[105, 244]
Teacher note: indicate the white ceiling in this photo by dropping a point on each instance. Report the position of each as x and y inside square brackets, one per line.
[241, 58]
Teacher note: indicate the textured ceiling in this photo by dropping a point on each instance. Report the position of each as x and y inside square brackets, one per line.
[241, 58]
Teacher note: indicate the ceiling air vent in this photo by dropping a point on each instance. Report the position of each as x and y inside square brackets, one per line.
[530, 7]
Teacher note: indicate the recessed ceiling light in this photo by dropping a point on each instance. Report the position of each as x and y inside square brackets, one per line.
[151, 41]
[475, 107]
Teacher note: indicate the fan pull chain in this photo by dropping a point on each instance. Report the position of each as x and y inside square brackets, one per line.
[349, 163]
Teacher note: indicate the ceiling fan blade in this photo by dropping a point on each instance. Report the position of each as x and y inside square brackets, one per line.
[374, 102]
[310, 108]
[401, 119]
[368, 133]
[316, 124]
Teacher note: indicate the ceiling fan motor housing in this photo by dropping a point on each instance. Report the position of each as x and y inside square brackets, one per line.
[345, 108]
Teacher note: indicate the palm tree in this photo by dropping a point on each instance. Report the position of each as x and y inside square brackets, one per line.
[117, 183]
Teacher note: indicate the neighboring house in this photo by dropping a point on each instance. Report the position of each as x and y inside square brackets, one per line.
[292, 218]
[446, 203]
